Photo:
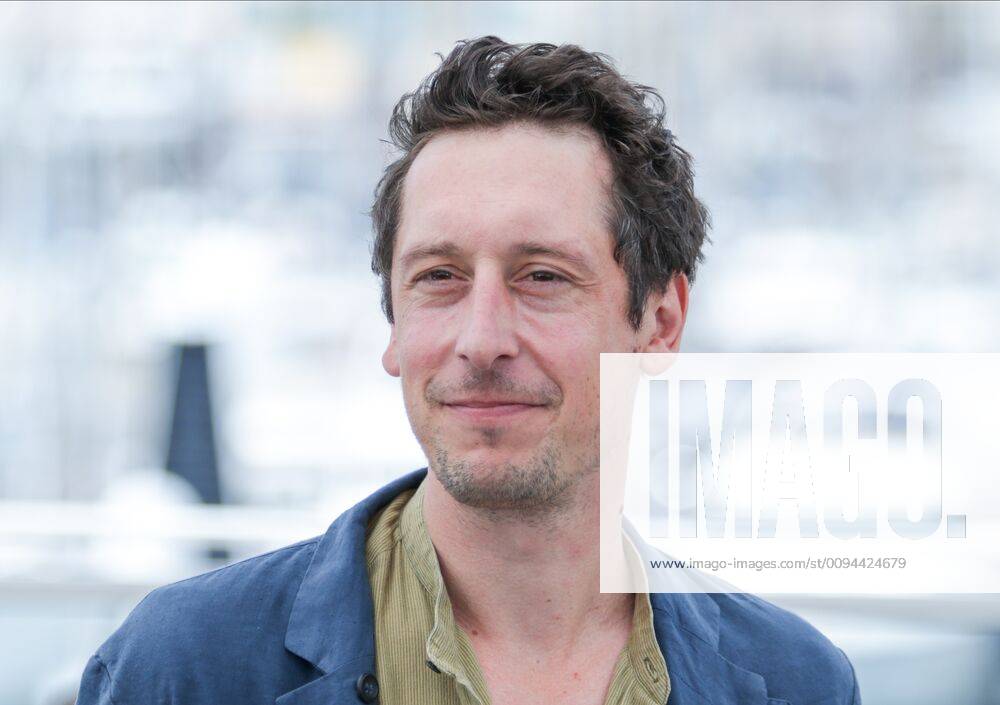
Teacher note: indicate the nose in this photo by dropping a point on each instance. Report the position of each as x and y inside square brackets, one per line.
[488, 323]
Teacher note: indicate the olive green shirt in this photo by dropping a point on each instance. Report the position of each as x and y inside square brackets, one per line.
[423, 656]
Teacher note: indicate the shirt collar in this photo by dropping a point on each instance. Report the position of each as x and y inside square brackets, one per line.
[447, 646]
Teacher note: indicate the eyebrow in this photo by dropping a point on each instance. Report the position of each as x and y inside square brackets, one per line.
[530, 249]
[442, 249]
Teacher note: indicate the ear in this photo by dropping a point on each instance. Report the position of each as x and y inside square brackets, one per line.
[663, 320]
[390, 359]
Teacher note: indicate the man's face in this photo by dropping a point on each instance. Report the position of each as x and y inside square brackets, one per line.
[505, 291]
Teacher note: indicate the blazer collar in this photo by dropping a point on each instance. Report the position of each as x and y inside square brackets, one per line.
[332, 618]
[687, 628]
[331, 624]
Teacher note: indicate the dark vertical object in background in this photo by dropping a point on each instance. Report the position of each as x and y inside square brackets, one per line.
[191, 451]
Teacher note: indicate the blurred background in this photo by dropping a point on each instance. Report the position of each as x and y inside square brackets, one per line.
[190, 333]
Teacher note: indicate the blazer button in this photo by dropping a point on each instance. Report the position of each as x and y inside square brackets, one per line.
[367, 687]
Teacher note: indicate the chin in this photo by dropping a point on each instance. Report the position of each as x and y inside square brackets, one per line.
[484, 461]
[492, 479]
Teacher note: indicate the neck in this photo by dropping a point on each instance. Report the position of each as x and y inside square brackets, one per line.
[496, 564]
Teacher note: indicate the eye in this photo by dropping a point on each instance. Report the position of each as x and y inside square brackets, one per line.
[544, 275]
[436, 275]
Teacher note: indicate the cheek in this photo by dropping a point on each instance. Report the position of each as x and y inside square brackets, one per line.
[568, 349]
[578, 337]
[422, 348]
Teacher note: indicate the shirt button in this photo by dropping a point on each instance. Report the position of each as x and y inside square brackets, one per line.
[367, 687]
[653, 670]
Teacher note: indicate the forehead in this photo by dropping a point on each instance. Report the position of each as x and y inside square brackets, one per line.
[482, 187]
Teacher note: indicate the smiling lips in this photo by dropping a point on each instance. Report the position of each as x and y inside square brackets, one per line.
[491, 409]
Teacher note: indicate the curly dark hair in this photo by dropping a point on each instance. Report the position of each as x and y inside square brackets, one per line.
[658, 224]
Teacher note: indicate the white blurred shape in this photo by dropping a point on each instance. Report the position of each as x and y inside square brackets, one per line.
[142, 500]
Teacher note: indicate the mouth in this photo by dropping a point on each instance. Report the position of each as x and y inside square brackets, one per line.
[479, 410]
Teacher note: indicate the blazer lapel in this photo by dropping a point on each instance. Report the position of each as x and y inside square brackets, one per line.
[686, 620]
[687, 629]
[330, 624]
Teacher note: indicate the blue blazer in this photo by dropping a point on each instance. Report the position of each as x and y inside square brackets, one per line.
[295, 627]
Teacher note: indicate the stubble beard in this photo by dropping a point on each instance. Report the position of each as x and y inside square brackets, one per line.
[537, 489]
[522, 487]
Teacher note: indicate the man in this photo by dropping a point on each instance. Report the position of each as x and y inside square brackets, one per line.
[540, 214]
